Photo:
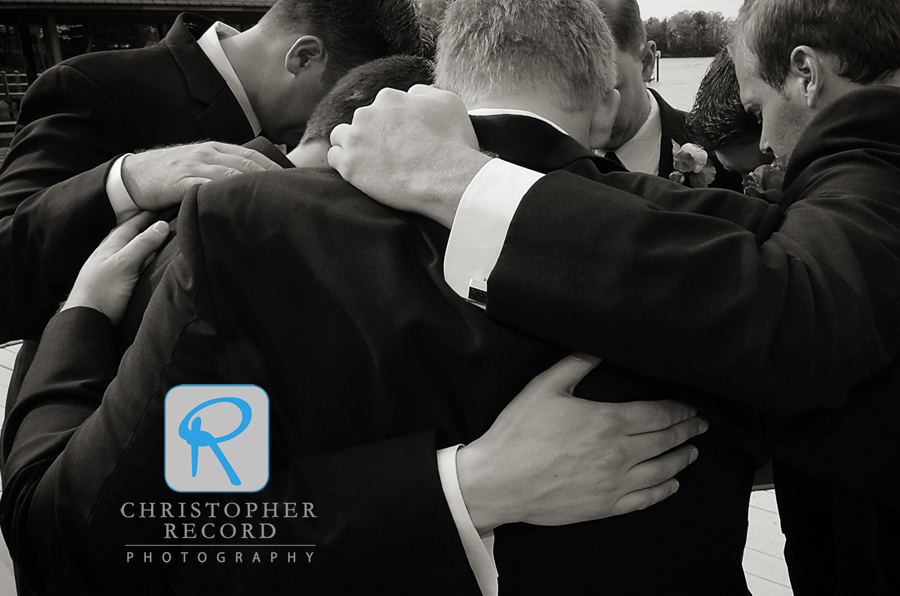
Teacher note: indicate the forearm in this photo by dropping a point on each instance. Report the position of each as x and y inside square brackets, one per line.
[62, 381]
[750, 213]
[53, 203]
[440, 193]
[701, 300]
[62, 390]
[44, 243]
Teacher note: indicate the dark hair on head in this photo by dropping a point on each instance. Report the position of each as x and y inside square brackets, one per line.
[354, 31]
[718, 118]
[359, 87]
[624, 20]
[863, 35]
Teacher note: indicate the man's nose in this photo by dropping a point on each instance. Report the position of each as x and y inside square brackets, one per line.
[764, 142]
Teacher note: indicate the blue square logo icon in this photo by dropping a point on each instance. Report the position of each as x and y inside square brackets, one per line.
[217, 438]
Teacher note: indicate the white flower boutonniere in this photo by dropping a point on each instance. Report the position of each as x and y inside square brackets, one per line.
[692, 165]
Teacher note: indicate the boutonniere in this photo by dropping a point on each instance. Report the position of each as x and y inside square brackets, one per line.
[766, 181]
[691, 165]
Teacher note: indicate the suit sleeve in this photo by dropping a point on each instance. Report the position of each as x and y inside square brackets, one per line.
[381, 522]
[53, 204]
[786, 311]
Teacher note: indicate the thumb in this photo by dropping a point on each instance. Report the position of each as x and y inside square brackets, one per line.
[568, 372]
[429, 90]
[334, 156]
[144, 244]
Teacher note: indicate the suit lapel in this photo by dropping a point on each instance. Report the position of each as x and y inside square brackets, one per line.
[672, 130]
[533, 144]
[223, 118]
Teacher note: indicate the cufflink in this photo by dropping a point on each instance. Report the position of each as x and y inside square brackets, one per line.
[478, 292]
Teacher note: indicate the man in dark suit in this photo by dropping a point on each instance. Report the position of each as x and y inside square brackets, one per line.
[646, 125]
[76, 119]
[367, 301]
[81, 115]
[789, 306]
[70, 176]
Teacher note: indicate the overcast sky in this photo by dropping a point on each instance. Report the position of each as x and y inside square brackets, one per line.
[662, 9]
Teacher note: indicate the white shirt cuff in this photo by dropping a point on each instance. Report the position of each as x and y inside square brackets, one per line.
[479, 549]
[122, 203]
[481, 223]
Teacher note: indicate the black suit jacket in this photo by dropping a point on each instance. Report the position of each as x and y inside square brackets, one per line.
[673, 129]
[76, 119]
[790, 307]
[371, 363]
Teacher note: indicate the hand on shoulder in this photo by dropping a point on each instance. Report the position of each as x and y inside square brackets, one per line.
[414, 151]
[107, 278]
[553, 459]
[158, 179]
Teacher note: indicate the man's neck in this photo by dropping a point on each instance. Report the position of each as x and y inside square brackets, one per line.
[311, 154]
[644, 100]
[576, 124]
[245, 55]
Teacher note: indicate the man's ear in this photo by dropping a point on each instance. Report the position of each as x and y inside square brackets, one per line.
[603, 118]
[648, 61]
[807, 74]
[306, 52]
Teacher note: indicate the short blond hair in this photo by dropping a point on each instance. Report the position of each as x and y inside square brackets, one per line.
[498, 47]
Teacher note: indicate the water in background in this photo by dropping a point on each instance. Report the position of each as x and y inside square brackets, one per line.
[679, 79]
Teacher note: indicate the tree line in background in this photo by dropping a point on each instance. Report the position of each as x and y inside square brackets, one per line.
[689, 34]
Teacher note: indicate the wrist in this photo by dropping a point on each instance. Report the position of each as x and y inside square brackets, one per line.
[479, 485]
[127, 176]
[94, 301]
[134, 172]
[75, 301]
[446, 186]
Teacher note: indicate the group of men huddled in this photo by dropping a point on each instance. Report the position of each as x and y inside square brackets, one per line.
[407, 281]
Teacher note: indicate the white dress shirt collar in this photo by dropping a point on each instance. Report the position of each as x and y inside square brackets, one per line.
[641, 152]
[209, 43]
[514, 112]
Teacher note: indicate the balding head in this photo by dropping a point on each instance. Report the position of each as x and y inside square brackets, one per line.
[635, 58]
[624, 20]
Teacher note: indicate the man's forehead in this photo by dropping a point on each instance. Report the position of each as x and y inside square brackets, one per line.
[744, 69]
[740, 56]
